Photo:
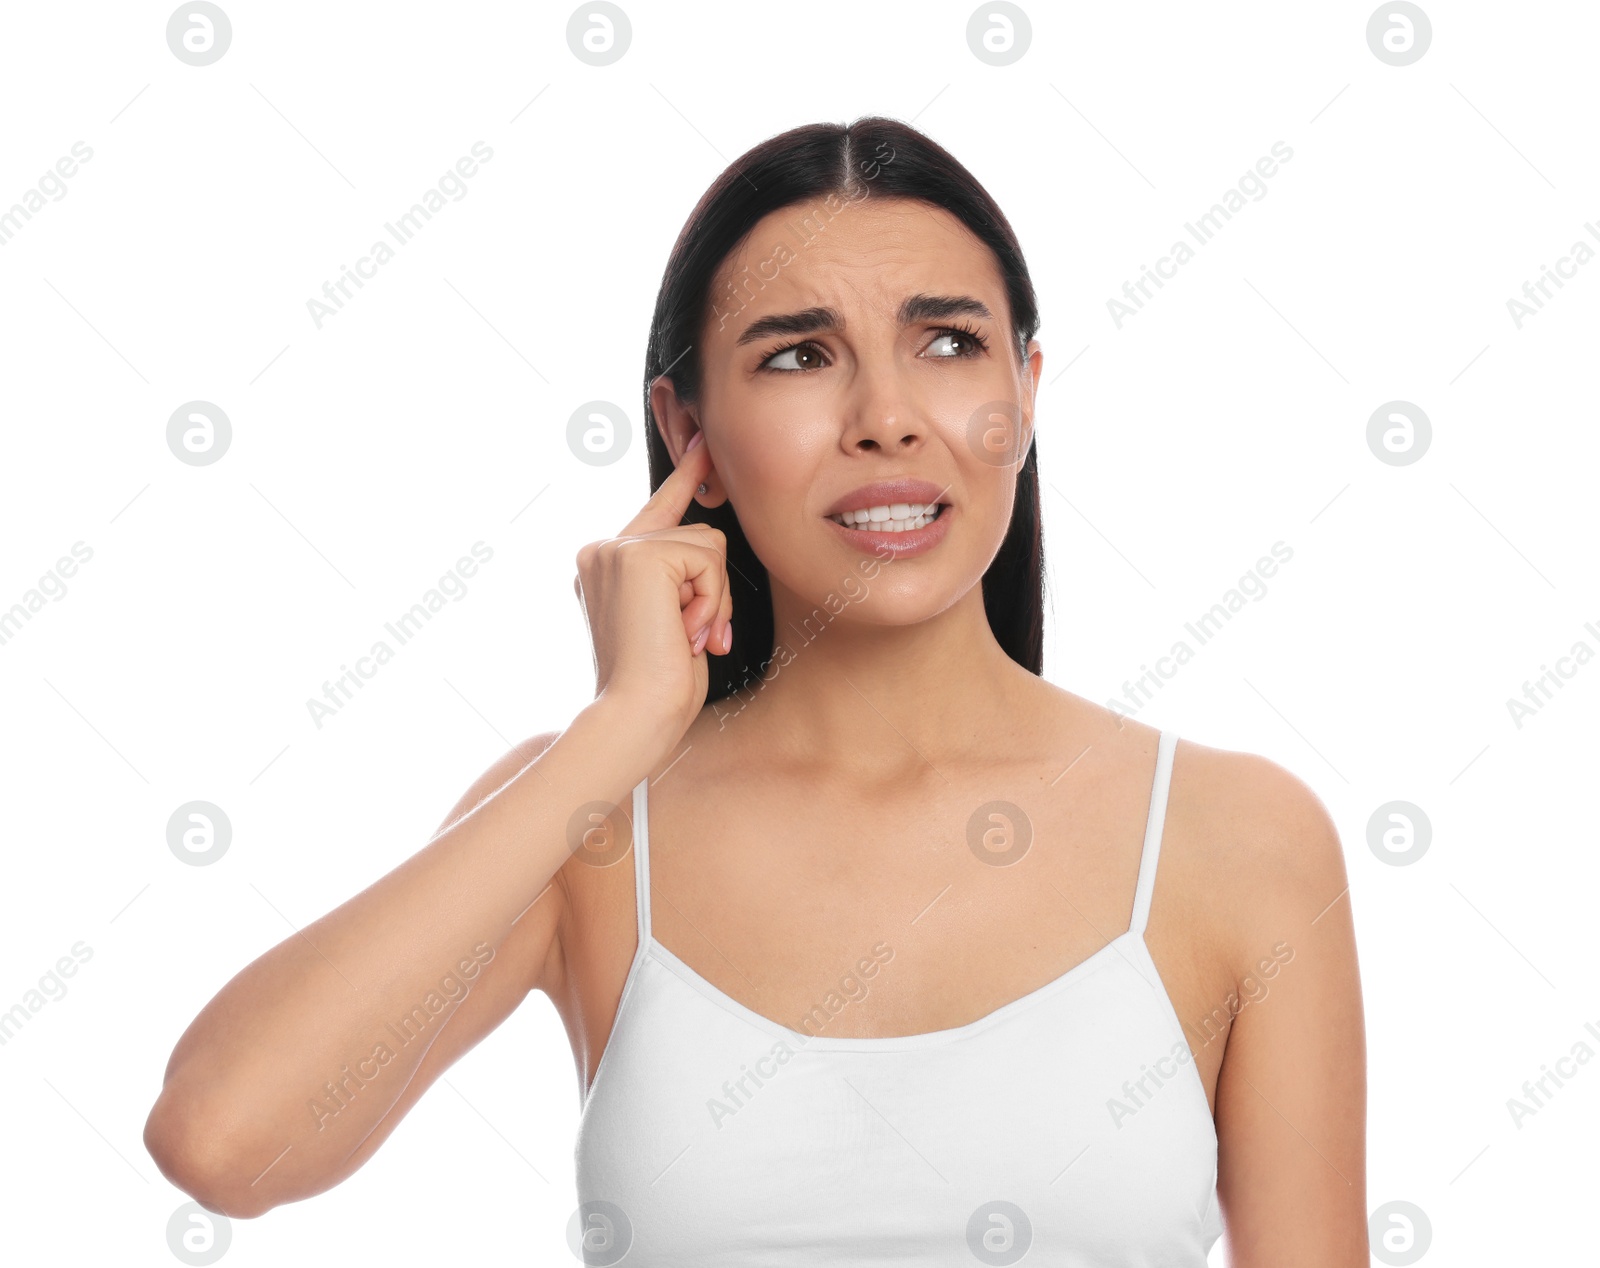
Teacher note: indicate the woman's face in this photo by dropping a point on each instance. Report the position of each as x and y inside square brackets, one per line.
[873, 344]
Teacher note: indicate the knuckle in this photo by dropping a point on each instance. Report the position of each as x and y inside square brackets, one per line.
[711, 538]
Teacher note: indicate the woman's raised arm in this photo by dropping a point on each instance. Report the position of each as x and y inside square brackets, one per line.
[306, 1059]
[299, 1067]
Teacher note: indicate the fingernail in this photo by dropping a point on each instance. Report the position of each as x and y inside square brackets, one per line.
[700, 638]
[727, 635]
[694, 440]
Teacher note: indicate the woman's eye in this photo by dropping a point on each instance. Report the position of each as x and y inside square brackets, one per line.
[967, 345]
[809, 350]
[800, 357]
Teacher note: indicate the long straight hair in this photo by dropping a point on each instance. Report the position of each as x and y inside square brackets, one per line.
[872, 157]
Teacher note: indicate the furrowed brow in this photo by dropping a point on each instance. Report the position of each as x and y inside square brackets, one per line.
[808, 321]
[811, 321]
[940, 307]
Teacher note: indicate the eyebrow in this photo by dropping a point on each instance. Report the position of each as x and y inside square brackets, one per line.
[810, 321]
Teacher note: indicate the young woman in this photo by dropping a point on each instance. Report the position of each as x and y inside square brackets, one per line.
[872, 944]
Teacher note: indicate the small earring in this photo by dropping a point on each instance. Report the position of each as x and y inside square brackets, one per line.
[702, 486]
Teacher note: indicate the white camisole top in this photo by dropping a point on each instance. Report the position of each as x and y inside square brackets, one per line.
[1068, 1127]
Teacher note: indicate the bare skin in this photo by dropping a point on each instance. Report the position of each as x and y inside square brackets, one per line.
[771, 875]
[830, 809]
[827, 811]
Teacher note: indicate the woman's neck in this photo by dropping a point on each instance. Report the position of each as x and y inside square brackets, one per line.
[837, 685]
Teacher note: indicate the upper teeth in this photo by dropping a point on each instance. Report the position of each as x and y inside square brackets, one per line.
[896, 517]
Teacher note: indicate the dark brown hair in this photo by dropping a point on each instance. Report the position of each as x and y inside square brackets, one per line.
[878, 157]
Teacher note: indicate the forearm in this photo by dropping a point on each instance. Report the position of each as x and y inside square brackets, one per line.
[303, 1053]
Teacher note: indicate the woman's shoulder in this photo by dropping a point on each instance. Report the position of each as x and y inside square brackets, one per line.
[1258, 815]
[1257, 811]
[1263, 846]
[1248, 837]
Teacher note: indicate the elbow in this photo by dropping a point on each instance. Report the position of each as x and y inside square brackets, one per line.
[195, 1155]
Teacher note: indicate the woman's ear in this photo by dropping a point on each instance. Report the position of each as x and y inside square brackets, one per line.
[677, 423]
[1032, 366]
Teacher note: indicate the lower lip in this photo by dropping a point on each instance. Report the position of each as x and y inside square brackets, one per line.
[900, 545]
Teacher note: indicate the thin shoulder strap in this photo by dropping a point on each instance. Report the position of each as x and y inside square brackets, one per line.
[641, 857]
[1152, 832]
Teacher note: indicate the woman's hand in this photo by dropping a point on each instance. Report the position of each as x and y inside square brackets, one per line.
[655, 597]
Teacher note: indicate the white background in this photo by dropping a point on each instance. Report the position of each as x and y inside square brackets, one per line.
[368, 455]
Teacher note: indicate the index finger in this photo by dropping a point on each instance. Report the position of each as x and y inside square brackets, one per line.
[666, 505]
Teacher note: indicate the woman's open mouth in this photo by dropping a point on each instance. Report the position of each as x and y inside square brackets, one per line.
[899, 530]
[898, 517]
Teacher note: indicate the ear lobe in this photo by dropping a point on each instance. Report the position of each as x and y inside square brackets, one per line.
[710, 493]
